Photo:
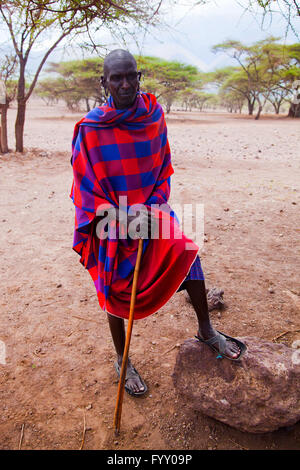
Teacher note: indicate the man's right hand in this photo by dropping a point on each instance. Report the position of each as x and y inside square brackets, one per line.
[142, 225]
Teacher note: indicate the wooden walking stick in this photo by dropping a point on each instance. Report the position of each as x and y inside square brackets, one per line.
[121, 386]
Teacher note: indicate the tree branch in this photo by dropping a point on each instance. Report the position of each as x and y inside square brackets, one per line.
[9, 25]
[43, 61]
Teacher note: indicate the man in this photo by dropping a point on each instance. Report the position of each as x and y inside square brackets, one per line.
[120, 150]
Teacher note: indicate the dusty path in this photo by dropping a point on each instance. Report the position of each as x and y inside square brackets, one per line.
[59, 355]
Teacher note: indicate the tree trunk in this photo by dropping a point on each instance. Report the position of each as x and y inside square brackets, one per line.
[258, 112]
[276, 107]
[19, 126]
[87, 103]
[3, 139]
[168, 107]
[20, 120]
[250, 106]
[294, 110]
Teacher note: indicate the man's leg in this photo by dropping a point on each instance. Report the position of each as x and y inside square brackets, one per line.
[197, 293]
[117, 330]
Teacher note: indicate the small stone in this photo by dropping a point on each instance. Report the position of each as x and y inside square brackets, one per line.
[89, 407]
[59, 285]
[219, 315]
[271, 290]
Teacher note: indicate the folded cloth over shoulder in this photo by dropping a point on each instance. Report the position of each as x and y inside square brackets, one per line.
[119, 153]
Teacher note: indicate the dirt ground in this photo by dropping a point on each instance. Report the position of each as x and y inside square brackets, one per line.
[59, 373]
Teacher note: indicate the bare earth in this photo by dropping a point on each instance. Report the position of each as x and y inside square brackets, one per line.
[59, 370]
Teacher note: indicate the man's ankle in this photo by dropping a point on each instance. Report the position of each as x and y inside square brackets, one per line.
[120, 360]
[206, 331]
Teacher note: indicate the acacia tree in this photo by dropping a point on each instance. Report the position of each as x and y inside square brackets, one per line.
[193, 98]
[234, 82]
[171, 77]
[260, 69]
[267, 72]
[79, 80]
[291, 77]
[30, 21]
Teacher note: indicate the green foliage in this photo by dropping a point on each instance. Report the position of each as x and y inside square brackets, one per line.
[79, 80]
[265, 72]
[191, 98]
[167, 78]
[8, 77]
[30, 21]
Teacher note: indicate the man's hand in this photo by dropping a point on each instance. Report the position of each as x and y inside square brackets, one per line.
[142, 225]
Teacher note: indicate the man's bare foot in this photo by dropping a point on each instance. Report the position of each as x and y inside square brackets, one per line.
[231, 348]
[134, 385]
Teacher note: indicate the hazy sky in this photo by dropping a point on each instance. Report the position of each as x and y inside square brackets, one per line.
[206, 25]
[191, 34]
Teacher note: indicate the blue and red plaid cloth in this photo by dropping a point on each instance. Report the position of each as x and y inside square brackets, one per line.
[125, 152]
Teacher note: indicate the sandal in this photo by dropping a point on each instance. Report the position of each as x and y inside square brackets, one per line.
[132, 373]
[220, 339]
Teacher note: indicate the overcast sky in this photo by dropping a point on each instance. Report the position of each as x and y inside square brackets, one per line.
[206, 25]
[191, 34]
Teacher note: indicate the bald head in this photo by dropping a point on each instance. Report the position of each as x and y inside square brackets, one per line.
[115, 57]
[121, 78]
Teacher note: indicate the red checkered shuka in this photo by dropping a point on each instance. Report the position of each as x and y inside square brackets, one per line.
[125, 152]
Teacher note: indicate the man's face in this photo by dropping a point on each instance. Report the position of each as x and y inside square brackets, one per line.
[122, 81]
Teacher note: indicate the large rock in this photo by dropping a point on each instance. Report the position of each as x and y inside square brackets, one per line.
[258, 394]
